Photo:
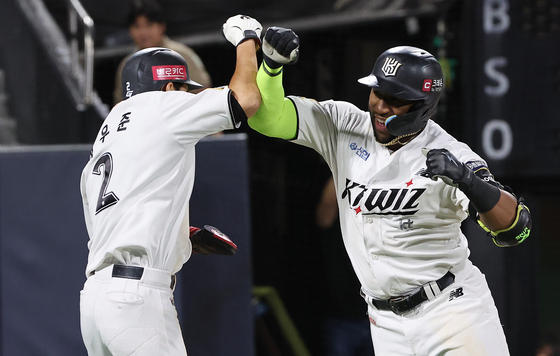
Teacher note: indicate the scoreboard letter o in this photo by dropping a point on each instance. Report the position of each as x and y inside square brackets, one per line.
[493, 127]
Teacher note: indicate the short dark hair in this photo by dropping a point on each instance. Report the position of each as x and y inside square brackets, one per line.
[151, 9]
[178, 85]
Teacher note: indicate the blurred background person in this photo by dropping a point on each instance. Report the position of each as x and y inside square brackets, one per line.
[550, 342]
[147, 27]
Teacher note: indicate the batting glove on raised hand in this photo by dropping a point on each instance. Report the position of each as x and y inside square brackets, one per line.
[240, 28]
[280, 46]
[440, 163]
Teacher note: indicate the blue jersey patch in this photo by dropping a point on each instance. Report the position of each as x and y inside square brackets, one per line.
[361, 152]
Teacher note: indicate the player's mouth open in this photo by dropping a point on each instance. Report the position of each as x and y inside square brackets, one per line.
[380, 123]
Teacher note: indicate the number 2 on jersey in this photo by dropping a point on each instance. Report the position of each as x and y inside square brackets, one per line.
[106, 199]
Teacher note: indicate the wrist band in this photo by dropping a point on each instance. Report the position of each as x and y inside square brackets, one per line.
[269, 68]
[482, 195]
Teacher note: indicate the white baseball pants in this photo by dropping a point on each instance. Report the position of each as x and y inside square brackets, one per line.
[123, 317]
[462, 321]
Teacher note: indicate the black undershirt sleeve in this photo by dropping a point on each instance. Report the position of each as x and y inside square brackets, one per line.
[236, 111]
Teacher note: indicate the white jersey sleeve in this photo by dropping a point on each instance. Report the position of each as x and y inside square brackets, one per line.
[320, 122]
[201, 115]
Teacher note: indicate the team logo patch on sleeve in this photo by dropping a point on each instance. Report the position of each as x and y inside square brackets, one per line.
[481, 171]
[476, 165]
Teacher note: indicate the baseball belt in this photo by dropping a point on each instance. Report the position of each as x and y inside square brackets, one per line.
[134, 272]
[404, 303]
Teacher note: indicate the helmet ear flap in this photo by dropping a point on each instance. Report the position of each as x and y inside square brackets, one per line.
[417, 106]
[411, 122]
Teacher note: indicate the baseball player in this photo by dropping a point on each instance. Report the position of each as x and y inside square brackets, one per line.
[403, 187]
[136, 188]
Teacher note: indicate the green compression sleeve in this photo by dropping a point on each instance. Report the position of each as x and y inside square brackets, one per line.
[277, 116]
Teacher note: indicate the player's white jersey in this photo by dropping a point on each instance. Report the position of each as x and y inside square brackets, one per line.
[401, 229]
[138, 181]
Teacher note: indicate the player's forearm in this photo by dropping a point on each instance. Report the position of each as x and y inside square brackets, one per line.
[277, 115]
[243, 82]
[502, 215]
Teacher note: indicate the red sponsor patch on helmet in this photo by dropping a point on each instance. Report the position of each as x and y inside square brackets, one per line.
[169, 72]
[427, 86]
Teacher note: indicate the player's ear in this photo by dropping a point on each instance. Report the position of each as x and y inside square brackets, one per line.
[162, 28]
[168, 87]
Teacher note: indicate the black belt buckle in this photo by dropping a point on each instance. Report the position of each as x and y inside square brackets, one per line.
[401, 304]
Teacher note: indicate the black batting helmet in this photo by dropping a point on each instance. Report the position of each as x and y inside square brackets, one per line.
[411, 74]
[151, 68]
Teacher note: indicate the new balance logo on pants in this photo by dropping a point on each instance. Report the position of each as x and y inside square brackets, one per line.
[456, 293]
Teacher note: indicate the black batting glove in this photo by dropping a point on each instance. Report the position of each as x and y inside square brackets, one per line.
[440, 163]
[280, 46]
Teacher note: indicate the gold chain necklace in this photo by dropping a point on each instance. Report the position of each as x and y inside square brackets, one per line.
[397, 140]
